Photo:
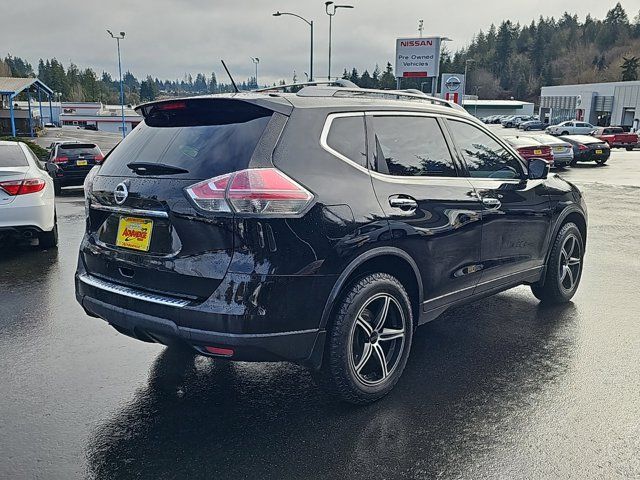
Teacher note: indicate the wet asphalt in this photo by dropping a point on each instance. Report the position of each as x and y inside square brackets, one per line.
[503, 388]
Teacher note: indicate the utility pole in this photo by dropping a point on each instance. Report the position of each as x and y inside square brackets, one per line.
[256, 61]
[118, 38]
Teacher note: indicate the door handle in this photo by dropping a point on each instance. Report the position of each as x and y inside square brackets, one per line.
[403, 203]
[491, 202]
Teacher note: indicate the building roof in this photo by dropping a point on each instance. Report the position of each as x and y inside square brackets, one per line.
[496, 103]
[15, 85]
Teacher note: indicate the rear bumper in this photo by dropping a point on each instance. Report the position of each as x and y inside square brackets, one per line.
[281, 325]
[295, 346]
[35, 212]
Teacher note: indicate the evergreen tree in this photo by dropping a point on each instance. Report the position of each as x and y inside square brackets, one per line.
[630, 68]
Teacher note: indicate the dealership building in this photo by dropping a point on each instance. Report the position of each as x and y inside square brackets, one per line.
[604, 104]
[484, 108]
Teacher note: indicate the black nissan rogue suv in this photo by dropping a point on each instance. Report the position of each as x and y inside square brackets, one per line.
[319, 227]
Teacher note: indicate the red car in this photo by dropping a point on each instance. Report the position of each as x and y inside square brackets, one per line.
[529, 147]
[616, 137]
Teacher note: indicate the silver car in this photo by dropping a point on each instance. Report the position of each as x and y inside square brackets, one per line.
[562, 151]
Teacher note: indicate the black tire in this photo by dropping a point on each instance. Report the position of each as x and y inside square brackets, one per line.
[50, 239]
[629, 149]
[565, 133]
[559, 286]
[356, 376]
[57, 188]
[601, 162]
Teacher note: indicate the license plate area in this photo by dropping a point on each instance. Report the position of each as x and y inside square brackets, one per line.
[537, 152]
[598, 152]
[81, 163]
[134, 233]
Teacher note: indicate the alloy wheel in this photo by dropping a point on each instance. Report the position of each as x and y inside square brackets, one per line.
[570, 262]
[377, 339]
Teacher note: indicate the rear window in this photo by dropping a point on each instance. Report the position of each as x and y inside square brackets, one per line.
[204, 137]
[79, 149]
[12, 156]
[522, 142]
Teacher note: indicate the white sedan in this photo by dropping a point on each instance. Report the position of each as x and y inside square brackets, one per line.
[571, 127]
[27, 201]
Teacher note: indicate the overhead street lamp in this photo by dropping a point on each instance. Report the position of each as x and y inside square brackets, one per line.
[118, 38]
[310, 23]
[331, 8]
[256, 61]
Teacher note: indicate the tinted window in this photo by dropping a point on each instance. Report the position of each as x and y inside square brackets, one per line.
[78, 149]
[347, 137]
[411, 146]
[12, 156]
[484, 156]
[213, 138]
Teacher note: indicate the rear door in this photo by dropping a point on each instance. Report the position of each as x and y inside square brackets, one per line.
[516, 215]
[143, 231]
[433, 212]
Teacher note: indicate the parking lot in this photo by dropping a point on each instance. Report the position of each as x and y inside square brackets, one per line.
[503, 388]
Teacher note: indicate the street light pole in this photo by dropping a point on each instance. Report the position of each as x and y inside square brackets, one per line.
[331, 8]
[118, 38]
[466, 68]
[310, 23]
[256, 61]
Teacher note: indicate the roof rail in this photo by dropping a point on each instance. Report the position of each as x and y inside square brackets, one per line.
[376, 93]
[329, 83]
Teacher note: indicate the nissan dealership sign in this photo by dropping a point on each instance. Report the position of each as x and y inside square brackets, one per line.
[417, 57]
[452, 87]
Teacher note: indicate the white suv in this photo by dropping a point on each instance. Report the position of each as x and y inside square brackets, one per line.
[571, 127]
[27, 202]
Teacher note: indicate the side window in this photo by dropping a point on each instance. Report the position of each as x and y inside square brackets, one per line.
[347, 137]
[411, 147]
[485, 158]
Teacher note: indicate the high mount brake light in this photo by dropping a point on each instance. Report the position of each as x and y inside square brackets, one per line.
[172, 106]
[22, 187]
[255, 191]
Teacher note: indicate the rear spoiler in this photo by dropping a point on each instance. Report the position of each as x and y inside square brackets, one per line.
[275, 103]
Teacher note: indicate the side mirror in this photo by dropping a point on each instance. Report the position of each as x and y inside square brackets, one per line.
[538, 169]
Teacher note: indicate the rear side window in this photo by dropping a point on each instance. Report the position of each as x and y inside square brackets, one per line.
[485, 158]
[204, 137]
[347, 137]
[411, 147]
[12, 156]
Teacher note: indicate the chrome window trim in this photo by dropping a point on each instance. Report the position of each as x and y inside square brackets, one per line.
[130, 211]
[130, 292]
[381, 176]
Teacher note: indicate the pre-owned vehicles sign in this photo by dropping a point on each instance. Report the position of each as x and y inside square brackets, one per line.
[417, 57]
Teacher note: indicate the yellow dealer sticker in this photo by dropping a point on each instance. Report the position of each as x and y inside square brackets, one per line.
[134, 233]
[537, 152]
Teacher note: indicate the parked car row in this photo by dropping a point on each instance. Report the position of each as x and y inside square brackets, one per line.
[562, 151]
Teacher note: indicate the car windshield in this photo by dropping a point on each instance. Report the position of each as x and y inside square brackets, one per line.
[12, 156]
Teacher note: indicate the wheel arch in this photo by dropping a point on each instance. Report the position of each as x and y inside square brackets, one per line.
[574, 215]
[391, 260]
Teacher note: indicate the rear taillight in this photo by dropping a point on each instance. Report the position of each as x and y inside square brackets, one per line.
[60, 159]
[98, 158]
[582, 148]
[22, 187]
[255, 191]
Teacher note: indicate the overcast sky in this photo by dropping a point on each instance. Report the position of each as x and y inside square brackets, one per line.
[168, 38]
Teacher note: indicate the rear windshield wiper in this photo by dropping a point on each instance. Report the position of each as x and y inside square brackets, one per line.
[149, 168]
